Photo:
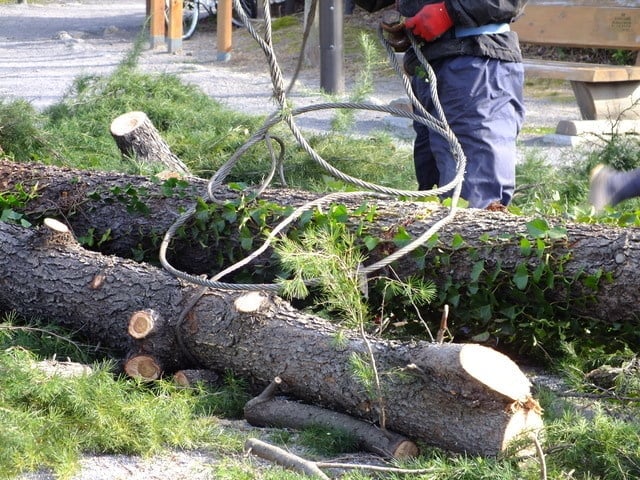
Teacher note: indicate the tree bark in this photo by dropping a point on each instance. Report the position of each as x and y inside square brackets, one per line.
[92, 202]
[464, 398]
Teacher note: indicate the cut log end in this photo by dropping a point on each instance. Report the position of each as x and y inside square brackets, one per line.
[128, 122]
[496, 371]
[250, 303]
[142, 323]
[55, 225]
[405, 449]
[143, 367]
[189, 378]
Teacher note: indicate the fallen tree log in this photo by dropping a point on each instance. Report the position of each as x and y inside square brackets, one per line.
[94, 203]
[465, 398]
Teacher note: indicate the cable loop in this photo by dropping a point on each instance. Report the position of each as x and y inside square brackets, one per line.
[286, 114]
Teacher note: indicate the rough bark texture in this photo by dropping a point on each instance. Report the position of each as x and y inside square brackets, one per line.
[86, 200]
[433, 393]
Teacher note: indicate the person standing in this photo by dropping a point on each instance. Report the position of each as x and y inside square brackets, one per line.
[477, 61]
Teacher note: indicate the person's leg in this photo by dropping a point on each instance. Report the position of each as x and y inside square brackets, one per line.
[483, 102]
[610, 187]
[425, 164]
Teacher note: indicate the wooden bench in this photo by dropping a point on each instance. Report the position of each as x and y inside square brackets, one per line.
[603, 92]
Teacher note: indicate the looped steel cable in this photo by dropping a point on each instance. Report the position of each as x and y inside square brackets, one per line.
[286, 114]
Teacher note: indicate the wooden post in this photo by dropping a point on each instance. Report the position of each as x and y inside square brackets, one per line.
[156, 25]
[174, 36]
[224, 25]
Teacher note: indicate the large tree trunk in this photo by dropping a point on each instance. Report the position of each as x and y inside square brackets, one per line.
[95, 202]
[460, 397]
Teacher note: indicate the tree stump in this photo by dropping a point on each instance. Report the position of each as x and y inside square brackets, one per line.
[138, 139]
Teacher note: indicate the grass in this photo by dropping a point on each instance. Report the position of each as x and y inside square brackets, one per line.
[48, 422]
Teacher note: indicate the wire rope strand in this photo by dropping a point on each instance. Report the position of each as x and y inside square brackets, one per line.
[286, 114]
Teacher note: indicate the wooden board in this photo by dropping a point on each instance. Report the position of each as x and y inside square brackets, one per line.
[601, 26]
[581, 72]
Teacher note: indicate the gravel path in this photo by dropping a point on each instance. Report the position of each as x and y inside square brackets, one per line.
[45, 46]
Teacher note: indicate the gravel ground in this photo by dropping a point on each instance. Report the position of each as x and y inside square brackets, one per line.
[43, 47]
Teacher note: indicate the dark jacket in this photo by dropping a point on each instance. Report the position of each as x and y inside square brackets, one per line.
[470, 13]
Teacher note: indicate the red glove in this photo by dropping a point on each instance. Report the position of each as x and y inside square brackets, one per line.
[430, 22]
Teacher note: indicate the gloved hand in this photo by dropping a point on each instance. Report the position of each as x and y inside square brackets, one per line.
[396, 35]
[430, 22]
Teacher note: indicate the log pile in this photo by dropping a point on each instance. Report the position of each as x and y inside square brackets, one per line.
[465, 398]
[462, 397]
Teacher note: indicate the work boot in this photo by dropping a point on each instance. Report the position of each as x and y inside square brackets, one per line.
[600, 189]
[610, 187]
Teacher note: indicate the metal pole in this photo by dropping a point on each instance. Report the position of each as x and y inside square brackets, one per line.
[331, 46]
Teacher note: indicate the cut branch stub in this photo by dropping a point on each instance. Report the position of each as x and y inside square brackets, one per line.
[191, 377]
[57, 233]
[143, 367]
[143, 322]
[137, 138]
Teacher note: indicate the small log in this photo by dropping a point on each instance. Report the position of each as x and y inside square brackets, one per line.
[143, 367]
[143, 322]
[62, 369]
[138, 139]
[284, 458]
[267, 411]
[191, 377]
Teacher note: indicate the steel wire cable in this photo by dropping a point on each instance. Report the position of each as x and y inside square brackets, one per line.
[286, 114]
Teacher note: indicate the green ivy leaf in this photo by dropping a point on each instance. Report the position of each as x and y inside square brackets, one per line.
[525, 246]
[521, 276]
[371, 242]
[477, 269]
[457, 241]
[481, 337]
[538, 228]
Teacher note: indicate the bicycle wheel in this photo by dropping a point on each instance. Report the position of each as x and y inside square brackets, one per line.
[190, 14]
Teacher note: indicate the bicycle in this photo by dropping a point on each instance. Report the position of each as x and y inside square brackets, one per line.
[191, 13]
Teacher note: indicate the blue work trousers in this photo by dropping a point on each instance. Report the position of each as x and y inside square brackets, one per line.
[483, 103]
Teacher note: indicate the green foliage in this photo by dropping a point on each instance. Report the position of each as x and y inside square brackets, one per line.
[598, 447]
[21, 134]
[48, 421]
[528, 307]
[13, 201]
[328, 442]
